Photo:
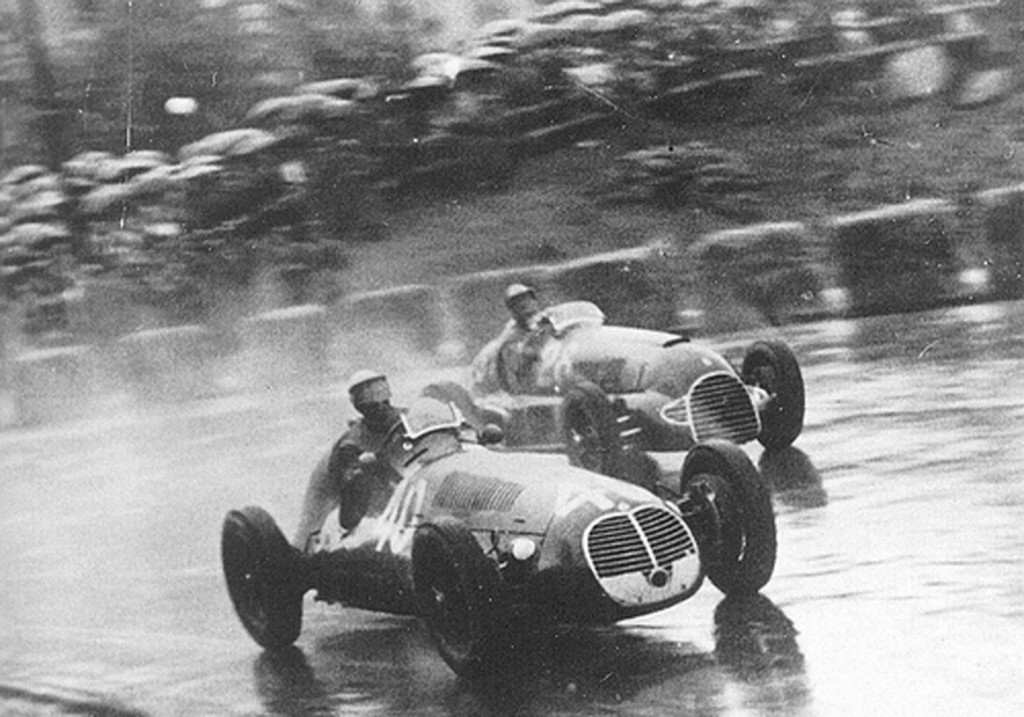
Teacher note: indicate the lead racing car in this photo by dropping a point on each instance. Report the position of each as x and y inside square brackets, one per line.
[482, 543]
[611, 394]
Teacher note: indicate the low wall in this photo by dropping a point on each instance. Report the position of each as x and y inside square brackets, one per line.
[900, 258]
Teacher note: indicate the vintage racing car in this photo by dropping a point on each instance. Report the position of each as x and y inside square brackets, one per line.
[609, 394]
[482, 543]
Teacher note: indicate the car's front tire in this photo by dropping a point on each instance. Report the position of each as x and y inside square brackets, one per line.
[590, 430]
[457, 591]
[772, 367]
[264, 577]
[741, 559]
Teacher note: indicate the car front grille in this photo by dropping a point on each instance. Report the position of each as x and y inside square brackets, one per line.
[637, 542]
[717, 406]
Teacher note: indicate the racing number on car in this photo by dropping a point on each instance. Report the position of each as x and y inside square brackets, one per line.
[405, 504]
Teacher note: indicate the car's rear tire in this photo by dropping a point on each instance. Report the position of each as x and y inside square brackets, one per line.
[264, 577]
[772, 366]
[591, 432]
[457, 591]
[743, 559]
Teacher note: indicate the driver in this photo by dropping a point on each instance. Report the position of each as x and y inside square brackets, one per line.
[371, 396]
[522, 303]
[517, 347]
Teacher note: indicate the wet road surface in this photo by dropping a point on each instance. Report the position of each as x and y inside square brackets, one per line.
[899, 587]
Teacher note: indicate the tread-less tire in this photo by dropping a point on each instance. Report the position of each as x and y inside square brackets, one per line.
[457, 591]
[743, 560]
[772, 366]
[263, 575]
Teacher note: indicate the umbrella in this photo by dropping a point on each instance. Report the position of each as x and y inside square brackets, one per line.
[104, 197]
[344, 88]
[219, 143]
[40, 204]
[23, 173]
[492, 53]
[626, 20]
[565, 8]
[297, 108]
[37, 235]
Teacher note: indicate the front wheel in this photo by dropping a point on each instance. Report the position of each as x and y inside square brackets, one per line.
[457, 595]
[264, 577]
[590, 430]
[772, 367]
[739, 550]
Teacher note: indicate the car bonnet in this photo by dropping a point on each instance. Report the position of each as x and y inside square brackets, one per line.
[519, 492]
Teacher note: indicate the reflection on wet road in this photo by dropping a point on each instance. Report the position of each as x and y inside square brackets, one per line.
[899, 587]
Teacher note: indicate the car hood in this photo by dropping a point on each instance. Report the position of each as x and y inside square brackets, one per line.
[628, 360]
[519, 492]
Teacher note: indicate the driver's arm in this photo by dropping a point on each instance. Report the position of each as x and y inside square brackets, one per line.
[322, 491]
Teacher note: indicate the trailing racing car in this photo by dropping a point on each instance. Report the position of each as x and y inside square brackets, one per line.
[482, 544]
[609, 394]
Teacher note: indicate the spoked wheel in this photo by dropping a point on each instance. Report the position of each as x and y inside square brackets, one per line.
[264, 577]
[740, 549]
[457, 594]
[591, 433]
[772, 367]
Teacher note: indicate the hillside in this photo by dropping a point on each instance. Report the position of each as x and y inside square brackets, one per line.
[812, 159]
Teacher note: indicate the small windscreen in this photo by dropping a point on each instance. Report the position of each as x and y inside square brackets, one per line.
[428, 415]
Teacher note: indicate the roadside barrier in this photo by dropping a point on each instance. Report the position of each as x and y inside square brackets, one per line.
[55, 384]
[380, 328]
[916, 255]
[762, 273]
[898, 258]
[285, 347]
[169, 364]
[633, 287]
[1003, 227]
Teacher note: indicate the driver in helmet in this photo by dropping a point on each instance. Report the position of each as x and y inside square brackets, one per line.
[522, 303]
[370, 395]
[517, 347]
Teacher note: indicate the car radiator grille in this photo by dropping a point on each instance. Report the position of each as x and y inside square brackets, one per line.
[636, 542]
[717, 406]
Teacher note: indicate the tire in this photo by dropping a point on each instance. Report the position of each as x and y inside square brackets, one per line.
[772, 366]
[264, 577]
[457, 595]
[591, 432]
[742, 561]
[451, 392]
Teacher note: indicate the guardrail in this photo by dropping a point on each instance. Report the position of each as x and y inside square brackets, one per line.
[905, 257]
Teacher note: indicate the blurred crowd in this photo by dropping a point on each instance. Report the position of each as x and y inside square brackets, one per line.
[302, 175]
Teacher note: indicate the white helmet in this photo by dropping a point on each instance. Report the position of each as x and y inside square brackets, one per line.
[368, 387]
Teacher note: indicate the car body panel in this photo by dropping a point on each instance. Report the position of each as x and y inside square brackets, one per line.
[503, 497]
[520, 382]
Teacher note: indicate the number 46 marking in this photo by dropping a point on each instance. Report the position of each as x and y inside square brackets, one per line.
[398, 515]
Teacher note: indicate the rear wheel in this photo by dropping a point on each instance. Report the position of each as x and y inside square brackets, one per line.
[264, 577]
[740, 548]
[772, 367]
[457, 595]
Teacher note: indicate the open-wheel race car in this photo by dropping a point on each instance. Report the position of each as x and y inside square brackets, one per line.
[611, 394]
[486, 545]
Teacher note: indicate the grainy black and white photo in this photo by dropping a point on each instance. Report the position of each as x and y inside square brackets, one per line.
[500, 358]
